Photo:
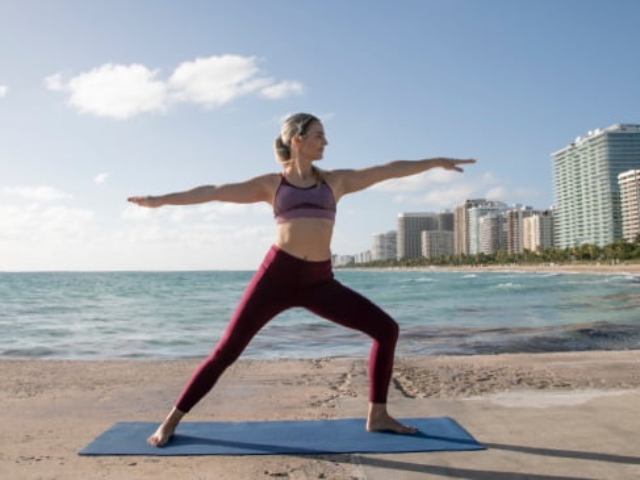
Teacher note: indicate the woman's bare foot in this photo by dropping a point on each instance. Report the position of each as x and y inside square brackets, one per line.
[161, 436]
[165, 431]
[379, 420]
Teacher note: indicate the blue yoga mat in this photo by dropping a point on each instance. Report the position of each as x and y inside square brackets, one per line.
[282, 437]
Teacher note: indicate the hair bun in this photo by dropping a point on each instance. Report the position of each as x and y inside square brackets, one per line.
[283, 151]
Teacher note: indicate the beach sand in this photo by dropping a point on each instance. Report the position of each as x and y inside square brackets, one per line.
[542, 416]
[586, 268]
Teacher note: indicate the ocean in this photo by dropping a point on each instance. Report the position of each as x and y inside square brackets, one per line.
[178, 315]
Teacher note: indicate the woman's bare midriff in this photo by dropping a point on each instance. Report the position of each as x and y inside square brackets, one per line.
[306, 238]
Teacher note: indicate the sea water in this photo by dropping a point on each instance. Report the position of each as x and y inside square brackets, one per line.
[170, 315]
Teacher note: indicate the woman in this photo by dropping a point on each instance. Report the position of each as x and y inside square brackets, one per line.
[296, 271]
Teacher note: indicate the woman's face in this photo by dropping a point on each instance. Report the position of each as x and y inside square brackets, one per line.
[313, 142]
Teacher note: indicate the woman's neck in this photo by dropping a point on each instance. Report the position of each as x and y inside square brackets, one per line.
[300, 170]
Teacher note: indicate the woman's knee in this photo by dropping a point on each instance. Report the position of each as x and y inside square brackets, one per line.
[387, 330]
[393, 330]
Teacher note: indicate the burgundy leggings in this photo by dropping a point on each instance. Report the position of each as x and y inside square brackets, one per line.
[284, 281]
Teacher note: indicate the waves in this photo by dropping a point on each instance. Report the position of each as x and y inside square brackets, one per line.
[479, 341]
[168, 315]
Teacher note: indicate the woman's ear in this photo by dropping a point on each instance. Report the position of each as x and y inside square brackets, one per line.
[297, 139]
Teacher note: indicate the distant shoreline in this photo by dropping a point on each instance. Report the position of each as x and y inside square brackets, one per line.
[601, 269]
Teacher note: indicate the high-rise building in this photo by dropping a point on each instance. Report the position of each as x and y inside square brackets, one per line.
[630, 204]
[515, 227]
[446, 221]
[587, 193]
[493, 233]
[474, 216]
[436, 243]
[538, 231]
[385, 246]
[411, 226]
[461, 226]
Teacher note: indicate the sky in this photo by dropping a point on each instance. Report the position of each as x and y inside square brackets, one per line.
[104, 100]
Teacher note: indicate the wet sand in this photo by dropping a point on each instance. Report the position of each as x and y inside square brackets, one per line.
[542, 416]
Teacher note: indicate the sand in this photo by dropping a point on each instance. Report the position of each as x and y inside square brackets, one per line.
[542, 416]
[586, 268]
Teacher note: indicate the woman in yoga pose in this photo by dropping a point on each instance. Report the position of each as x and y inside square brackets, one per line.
[296, 272]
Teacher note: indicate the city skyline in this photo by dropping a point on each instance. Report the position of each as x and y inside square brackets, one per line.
[597, 189]
[100, 102]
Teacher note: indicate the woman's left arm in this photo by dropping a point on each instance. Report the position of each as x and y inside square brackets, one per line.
[349, 181]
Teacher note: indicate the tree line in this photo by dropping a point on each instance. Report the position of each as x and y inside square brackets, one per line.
[616, 252]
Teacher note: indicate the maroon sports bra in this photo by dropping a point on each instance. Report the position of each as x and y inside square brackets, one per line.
[296, 202]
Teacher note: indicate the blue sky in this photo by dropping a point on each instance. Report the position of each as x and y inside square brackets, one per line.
[103, 100]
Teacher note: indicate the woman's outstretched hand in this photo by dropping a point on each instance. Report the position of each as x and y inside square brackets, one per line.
[147, 201]
[452, 163]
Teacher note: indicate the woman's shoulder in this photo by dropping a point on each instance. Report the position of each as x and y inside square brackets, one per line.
[334, 179]
[267, 179]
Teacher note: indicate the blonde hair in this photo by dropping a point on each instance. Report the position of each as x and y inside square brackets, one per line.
[297, 124]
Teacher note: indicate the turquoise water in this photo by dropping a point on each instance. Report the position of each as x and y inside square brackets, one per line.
[165, 315]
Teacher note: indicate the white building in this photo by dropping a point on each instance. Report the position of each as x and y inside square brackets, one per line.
[538, 231]
[436, 243]
[385, 246]
[515, 227]
[363, 257]
[461, 225]
[586, 185]
[343, 260]
[493, 233]
[474, 216]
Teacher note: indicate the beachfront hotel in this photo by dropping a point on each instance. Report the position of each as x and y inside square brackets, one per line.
[629, 183]
[461, 226]
[411, 226]
[436, 243]
[475, 214]
[587, 193]
[385, 246]
[493, 233]
[537, 235]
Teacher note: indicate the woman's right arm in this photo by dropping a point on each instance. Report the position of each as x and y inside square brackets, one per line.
[258, 189]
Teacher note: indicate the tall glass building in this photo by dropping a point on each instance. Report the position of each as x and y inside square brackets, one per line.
[587, 193]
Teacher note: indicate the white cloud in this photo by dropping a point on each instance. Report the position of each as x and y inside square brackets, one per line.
[3, 90]
[101, 178]
[123, 91]
[41, 235]
[38, 193]
[445, 197]
[134, 212]
[216, 80]
[200, 213]
[38, 223]
[497, 193]
[117, 91]
[54, 82]
[442, 189]
[416, 182]
[282, 89]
